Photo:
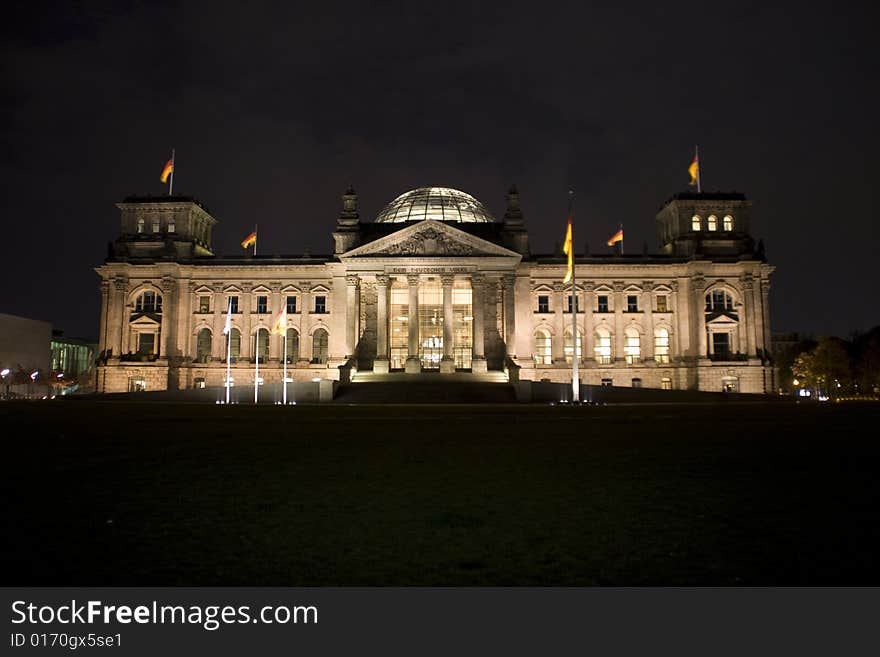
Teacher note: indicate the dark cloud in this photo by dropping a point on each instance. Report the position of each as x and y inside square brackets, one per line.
[275, 108]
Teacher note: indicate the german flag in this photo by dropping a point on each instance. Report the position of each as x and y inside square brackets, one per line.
[568, 250]
[694, 170]
[249, 240]
[167, 171]
[617, 237]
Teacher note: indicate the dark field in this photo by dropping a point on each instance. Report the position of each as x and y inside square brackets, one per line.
[120, 493]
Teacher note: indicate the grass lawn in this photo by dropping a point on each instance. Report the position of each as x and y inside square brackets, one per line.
[126, 493]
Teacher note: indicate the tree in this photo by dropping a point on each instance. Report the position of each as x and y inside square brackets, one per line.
[825, 367]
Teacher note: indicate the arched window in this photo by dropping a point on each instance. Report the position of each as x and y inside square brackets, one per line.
[320, 346]
[262, 342]
[632, 348]
[636, 382]
[665, 383]
[712, 222]
[234, 344]
[696, 222]
[148, 302]
[203, 346]
[141, 225]
[602, 348]
[543, 351]
[718, 300]
[568, 349]
[661, 344]
[292, 345]
[727, 223]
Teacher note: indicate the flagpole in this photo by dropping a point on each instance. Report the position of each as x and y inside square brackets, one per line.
[255, 239]
[257, 366]
[171, 180]
[285, 366]
[575, 381]
[228, 346]
[697, 156]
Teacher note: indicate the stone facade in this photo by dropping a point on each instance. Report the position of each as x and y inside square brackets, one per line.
[437, 295]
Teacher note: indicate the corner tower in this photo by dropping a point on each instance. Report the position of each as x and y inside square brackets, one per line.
[706, 224]
[163, 228]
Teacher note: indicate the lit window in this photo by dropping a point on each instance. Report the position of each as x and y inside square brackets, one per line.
[320, 341]
[203, 346]
[665, 383]
[712, 222]
[199, 382]
[602, 348]
[543, 353]
[636, 383]
[661, 303]
[320, 304]
[262, 304]
[696, 222]
[543, 303]
[172, 229]
[602, 303]
[291, 305]
[661, 345]
[141, 225]
[155, 224]
[632, 346]
[204, 304]
[727, 223]
[632, 303]
[718, 300]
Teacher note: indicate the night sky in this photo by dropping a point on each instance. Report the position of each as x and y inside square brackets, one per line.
[275, 109]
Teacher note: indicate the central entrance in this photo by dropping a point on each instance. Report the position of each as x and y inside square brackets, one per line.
[430, 324]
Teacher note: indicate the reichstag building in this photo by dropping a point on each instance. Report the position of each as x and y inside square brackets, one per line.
[436, 284]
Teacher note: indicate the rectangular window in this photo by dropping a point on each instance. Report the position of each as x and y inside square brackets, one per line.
[568, 305]
[233, 305]
[602, 303]
[262, 304]
[155, 225]
[146, 344]
[665, 383]
[291, 305]
[543, 303]
[606, 383]
[204, 304]
[632, 303]
[172, 229]
[661, 304]
[320, 304]
[721, 344]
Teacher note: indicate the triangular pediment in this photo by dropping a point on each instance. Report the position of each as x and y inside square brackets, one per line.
[429, 238]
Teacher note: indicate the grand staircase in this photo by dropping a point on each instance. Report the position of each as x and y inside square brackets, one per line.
[426, 388]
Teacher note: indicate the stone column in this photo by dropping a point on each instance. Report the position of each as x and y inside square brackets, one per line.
[447, 363]
[244, 307]
[169, 308]
[305, 324]
[351, 314]
[218, 345]
[765, 318]
[509, 281]
[276, 342]
[116, 316]
[588, 341]
[413, 362]
[648, 309]
[675, 347]
[478, 299]
[105, 309]
[699, 292]
[619, 336]
[380, 364]
[557, 343]
[183, 332]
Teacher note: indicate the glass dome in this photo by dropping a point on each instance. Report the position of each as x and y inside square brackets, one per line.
[439, 203]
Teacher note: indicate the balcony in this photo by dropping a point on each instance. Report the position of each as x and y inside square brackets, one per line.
[727, 357]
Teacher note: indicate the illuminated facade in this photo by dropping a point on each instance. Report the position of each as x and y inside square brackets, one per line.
[436, 284]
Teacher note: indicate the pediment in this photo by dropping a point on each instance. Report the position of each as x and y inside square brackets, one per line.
[429, 238]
